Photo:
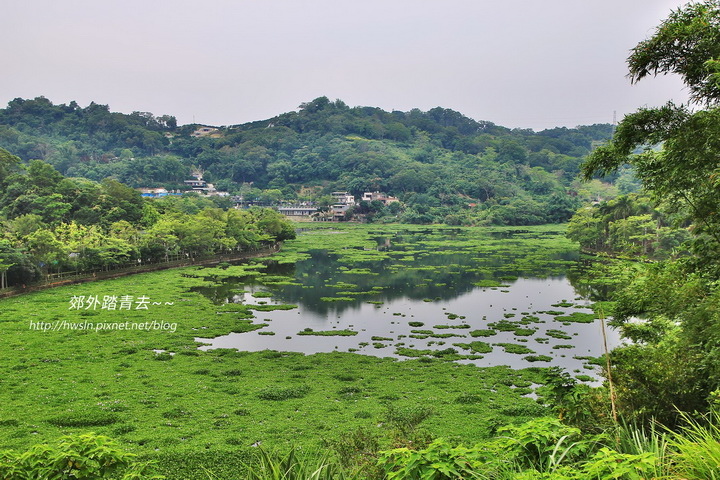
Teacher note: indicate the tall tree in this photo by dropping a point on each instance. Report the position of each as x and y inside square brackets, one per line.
[686, 170]
[673, 364]
[8, 164]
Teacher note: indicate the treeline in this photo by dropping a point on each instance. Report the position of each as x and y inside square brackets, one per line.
[439, 163]
[51, 223]
[630, 225]
[669, 308]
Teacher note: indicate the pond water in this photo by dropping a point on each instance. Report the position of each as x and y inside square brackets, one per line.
[488, 298]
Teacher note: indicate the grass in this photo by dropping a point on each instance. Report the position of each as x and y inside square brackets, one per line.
[293, 465]
[215, 402]
[695, 450]
[192, 410]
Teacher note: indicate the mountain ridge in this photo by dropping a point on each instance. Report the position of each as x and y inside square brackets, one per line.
[438, 162]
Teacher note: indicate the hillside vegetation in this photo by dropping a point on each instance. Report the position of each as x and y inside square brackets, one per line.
[443, 165]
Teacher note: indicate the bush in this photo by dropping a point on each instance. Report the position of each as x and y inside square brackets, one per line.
[88, 418]
[283, 393]
[86, 456]
[439, 461]
[406, 419]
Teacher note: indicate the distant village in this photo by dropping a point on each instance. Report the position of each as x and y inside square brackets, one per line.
[343, 201]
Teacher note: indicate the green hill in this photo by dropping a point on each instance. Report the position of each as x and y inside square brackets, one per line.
[443, 165]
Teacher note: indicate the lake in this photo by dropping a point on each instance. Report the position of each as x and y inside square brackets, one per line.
[472, 295]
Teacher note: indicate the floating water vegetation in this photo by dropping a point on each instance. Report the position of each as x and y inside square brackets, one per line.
[559, 334]
[422, 332]
[262, 294]
[515, 348]
[576, 317]
[328, 333]
[477, 346]
[271, 308]
[538, 358]
[444, 335]
[504, 326]
[336, 299]
[483, 332]
[489, 283]
[381, 339]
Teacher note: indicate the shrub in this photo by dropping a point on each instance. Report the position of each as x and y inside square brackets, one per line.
[85, 456]
[406, 419]
[87, 418]
[283, 393]
[539, 442]
[439, 461]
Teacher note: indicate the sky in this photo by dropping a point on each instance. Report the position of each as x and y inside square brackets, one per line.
[517, 63]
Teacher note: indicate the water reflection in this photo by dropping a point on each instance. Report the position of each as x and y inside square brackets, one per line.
[431, 279]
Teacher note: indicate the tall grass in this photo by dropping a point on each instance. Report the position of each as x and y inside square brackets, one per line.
[696, 450]
[638, 439]
[294, 466]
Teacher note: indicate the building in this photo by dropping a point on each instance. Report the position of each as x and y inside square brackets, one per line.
[380, 197]
[297, 211]
[203, 131]
[343, 202]
[154, 192]
[343, 198]
[201, 186]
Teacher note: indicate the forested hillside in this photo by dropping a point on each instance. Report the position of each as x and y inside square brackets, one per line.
[442, 165]
[50, 223]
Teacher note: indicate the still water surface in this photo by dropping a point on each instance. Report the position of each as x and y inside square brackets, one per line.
[418, 279]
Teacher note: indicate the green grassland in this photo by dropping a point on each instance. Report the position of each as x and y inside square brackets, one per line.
[160, 396]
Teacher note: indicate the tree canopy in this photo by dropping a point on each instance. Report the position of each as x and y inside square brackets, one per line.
[675, 149]
[322, 147]
[672, 365]
[51, 223]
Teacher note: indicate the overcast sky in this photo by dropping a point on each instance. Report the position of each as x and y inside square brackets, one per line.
[518, 63]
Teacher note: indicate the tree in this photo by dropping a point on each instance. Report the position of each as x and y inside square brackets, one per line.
[633, 234]
[42, 177]
[119, 202]
[586, 228]
[685, 170]
[673, 366]
[4, 267]
[688, 44]
[24, 225]
[8, 164]
[45, 248]
[274, 224]
[18, 268]
[242, 228]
